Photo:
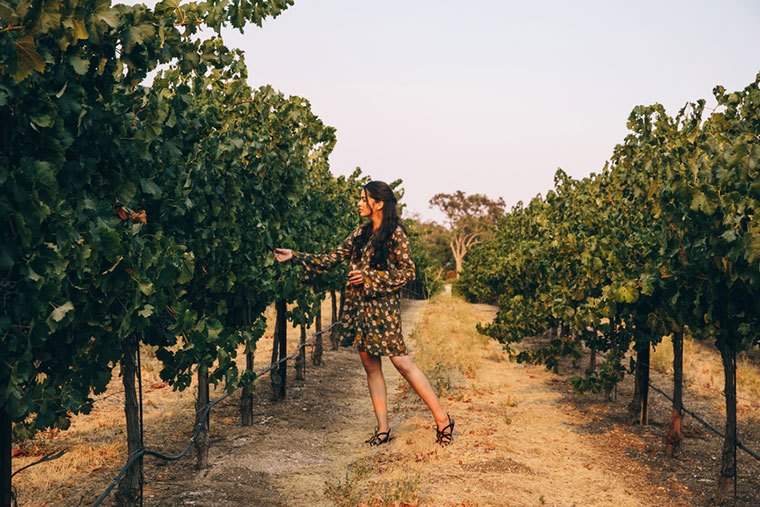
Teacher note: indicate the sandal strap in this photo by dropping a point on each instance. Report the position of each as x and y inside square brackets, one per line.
[449, 426]
[377, 439]
[445, 435]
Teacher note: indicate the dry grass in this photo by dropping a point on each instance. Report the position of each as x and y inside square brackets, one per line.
[703, 370]
[359, 489]
[448, 348]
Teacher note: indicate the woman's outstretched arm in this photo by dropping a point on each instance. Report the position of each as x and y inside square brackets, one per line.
[401, 268]
[319, 263]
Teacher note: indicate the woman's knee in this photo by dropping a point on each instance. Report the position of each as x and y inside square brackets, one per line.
[403, 364]
[371, 364]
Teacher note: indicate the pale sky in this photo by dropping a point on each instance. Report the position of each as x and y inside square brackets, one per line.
[493, 96]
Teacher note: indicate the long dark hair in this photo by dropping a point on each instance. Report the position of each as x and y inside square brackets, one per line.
[381, 242]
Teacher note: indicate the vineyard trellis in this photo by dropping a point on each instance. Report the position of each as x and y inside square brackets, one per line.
[701, 420]
[198, 427]
[663, 241]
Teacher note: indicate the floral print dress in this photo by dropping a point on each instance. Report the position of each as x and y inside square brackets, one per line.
[371, 311]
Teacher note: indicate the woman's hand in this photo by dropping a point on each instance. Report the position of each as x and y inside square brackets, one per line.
[283, 254]
[355, 277]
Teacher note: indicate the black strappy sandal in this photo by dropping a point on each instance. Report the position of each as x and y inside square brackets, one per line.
[379, 438]
[445, 436]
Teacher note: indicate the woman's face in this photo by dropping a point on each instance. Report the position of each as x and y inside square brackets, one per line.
[367, 204]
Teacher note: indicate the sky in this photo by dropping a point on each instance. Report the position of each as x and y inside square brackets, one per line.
[493, 96]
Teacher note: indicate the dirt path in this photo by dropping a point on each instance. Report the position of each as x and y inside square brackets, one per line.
[295, 447]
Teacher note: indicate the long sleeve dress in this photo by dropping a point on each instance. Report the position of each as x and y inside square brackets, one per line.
[371, 311]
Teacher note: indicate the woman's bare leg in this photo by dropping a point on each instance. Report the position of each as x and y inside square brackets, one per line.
[376, 383]
[421, 386]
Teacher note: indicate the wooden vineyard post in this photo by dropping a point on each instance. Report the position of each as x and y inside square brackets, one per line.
[246, 394]
[283, 348]
[727, 481]
[634, 407]
[335, 333]
[202, 419]
[638, 405]
[643, 360]
[675, 434]
[301, 358]
[280, 351]
[592, 362]
[246, 397]
[274, 376]
[334, 336]
[6, 431]
[316, 355]
[129, 489]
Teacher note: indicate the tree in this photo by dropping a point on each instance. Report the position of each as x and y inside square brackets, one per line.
[429, 268]
[435, 239]
[470, 218]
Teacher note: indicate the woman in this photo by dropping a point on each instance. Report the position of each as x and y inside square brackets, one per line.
[379, 266]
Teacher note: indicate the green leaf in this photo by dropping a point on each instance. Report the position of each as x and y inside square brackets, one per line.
[28, 59]
[188, 268]
[50, 17]
[126, 191]
[753, 243]
[647, 284]
[138, 34]
[44, 173]
[107, 15]
[80, 30]
[146, 311]
[150, 188]
[60, 312]
[146, 288]
[214, 328]
[167, 5]
[700, 202]
[6, 261]
[627, 294]
[43, 120]
[8, 12]
[79, 64]
[109, 242]
[33, 275]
